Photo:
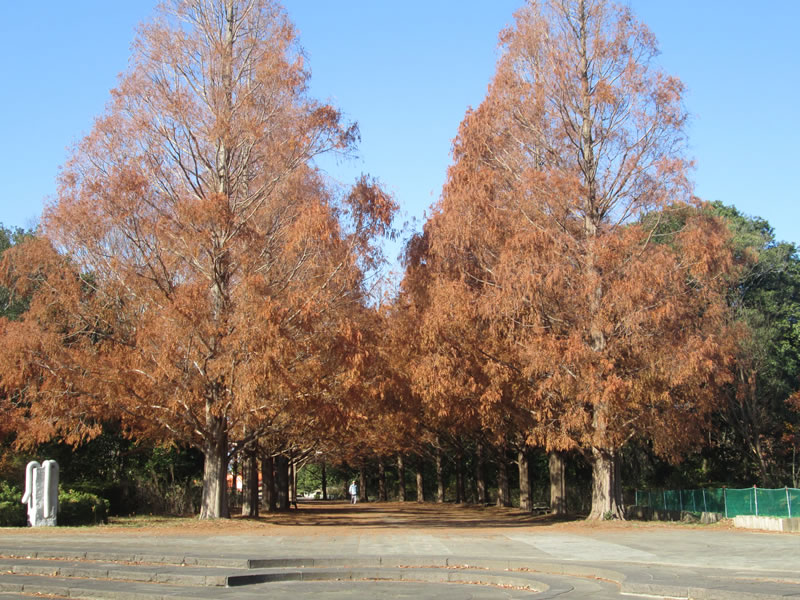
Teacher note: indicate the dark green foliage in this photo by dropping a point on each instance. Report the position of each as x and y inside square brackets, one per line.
[12, 514]
[9, 493]
[767, 300]
[166, 480]
[309, 479]
[339, 478]
[81, 508]
[12, 511]
[539, 476]
[754, 439]
[12, 307]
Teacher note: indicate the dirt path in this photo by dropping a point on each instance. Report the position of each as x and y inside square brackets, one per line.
[331, 518]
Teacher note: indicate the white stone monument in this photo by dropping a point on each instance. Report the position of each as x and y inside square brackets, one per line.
[41, 493]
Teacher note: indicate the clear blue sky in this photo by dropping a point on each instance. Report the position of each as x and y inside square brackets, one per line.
[407, 71]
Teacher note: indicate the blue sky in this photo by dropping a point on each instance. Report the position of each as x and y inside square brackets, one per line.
[407, 71]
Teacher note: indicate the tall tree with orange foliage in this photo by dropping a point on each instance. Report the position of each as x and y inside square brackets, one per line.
[604, 325]
[213, 271]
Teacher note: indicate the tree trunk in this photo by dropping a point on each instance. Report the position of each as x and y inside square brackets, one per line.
[606, 486]
[558, 484]
[293, 481]
[503, 493]
[268, 483]
[250, 484]
[215, 470]
[234, 499]
[290, 477]
[362, 485]
[401, 478]
[763, 469]
[324, 482]
[439, 477]
[420, 488]
[460, 488]
[215, 473]
[525, 501]
[480, 477]
[382, 494]
[282, 482]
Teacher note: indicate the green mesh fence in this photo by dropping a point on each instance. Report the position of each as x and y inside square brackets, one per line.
[782, 502]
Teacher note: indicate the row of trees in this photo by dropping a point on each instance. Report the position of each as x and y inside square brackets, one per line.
[199, 281]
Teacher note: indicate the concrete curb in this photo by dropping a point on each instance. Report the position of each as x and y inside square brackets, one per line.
[430, 575]
[767, 523]
[156, 559]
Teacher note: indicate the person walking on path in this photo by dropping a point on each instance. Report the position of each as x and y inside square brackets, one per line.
[353, 492]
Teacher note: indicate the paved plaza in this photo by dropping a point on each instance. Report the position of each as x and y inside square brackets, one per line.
[400, 551]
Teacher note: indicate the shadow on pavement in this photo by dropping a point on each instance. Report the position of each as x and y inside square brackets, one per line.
[406, 516]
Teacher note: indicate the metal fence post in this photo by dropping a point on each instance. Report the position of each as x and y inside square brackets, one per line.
[755, 499]
[725, 500]
[788, 502]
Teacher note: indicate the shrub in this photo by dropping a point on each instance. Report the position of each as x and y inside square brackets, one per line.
[81, 508]
[12, 514]
[12, 511]
[121, 496]
[9, 493]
